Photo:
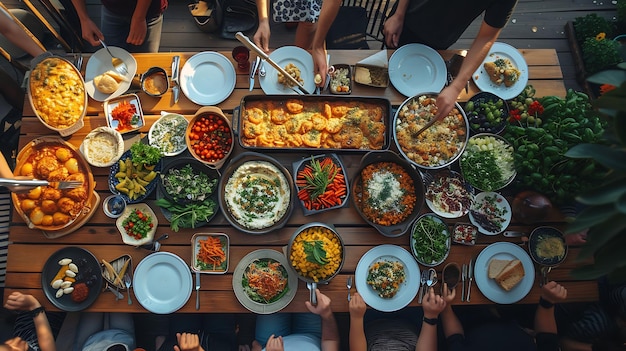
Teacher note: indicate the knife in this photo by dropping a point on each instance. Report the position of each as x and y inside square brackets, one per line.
[470, 275]
[197, 290]
[175, 83]
[250, 45]
[253, 69]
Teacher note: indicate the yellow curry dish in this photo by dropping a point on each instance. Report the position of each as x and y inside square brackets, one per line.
[304, 123]
[57, 93]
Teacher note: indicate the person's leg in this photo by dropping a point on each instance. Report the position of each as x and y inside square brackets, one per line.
[307, 323]
[114, 28]
[304, 34]
[153, 37]
[278, 324]
[90, 323]
[123, 321]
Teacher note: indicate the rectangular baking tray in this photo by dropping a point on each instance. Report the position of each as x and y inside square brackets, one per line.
[311, 100]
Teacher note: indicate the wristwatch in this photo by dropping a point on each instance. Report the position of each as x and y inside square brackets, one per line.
[545, 303]
[34, 313]
[431, 321]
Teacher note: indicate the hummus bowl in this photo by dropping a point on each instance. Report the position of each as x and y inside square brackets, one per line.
[255, 193]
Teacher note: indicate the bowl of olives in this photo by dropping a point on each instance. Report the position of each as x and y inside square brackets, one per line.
[486, 113]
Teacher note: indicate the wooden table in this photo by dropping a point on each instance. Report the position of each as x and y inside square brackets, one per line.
[29, 249]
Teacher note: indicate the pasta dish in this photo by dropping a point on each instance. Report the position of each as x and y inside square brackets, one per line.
[385, 277]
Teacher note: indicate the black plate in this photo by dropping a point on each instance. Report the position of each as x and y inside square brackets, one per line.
[87, 266]
[533, 241]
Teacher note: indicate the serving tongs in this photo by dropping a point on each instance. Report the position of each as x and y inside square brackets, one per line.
[17, 185]
[250, 45]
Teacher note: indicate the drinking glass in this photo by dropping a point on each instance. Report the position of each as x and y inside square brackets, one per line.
[241, 54]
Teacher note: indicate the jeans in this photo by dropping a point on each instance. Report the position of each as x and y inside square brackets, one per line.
[282, 324]
[115, 29]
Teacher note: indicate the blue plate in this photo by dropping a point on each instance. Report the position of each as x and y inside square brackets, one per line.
[114, 181]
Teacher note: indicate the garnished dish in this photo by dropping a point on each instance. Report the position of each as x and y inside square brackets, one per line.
[188, 193]
[168, 134]
[124, 113]
[47, 207]
[487, 162]
[316, 253]
[321, 183]
[341, 80]
[502, 71]
[293, 71]
[448, 195]
[385, 277]
[57, 93]
[265, 281]
[137, 224]
[491, 213]
[386, 193]
[437, 146]
[210, 253]
[430, 240]
[134, 175]
[307, 123]
[465, 234]
[257, 195]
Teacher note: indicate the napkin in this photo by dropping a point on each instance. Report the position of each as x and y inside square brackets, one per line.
[373, 70]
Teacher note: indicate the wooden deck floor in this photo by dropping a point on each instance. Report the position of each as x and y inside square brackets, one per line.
[534, 24]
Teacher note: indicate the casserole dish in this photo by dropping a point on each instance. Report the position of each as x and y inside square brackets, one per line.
[313, 122]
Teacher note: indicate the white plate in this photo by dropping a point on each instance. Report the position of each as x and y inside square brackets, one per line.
[489, 287]
[417, 68]
[283, 56]
[445, 177]
[502, 50]
[207, 78]
[242, 296]
[171, 130]
[99, 63]
[502, 205]
[407, 290]
[162, 282]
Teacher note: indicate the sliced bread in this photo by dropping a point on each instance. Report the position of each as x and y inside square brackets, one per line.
[496, 266]
[511, 275]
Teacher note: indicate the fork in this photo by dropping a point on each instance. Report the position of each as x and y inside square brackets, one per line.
[423, 279]
[117, 62]
[127, 282]
[17, 185]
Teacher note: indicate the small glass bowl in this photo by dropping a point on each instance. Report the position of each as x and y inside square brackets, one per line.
[113, 206]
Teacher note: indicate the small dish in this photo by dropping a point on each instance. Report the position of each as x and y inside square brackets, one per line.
[154, 82]
[487, 113]
[121, 265]
[102, 147]
[425, 244]
[341, 80]
[114, 205]
[168, 134]
[211, 147]
[465, 234]
[124, 113]
[339, 185]
[373, 76]
[490, 213]
[451, 274]
[198, 265]
[151, 218]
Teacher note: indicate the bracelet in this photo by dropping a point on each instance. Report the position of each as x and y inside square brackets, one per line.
[34, 313]
[431, 321]
[545, 303]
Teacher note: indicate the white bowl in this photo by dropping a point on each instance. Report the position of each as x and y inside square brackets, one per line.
[168, 134]
[129, 240]
[102, 147]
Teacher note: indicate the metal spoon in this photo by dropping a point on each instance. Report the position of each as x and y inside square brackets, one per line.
[262, 69]
[432, 277]
[349, 285]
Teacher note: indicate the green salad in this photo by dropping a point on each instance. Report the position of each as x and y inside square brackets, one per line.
[431, 239]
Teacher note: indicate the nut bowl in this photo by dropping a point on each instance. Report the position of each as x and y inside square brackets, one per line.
[430, 240]
[439, 145]
[53, 159]
[209, 137]
[380, 173]
[46, 93]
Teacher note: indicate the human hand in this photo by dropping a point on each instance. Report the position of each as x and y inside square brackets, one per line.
[553, 292]
[357, 306]
[21, 302]
[16, 344]
[445, 101]
[274, 344]
[392, 28]
[320, 63]
[256, 346]
[323, 305]
[262, 36]
[433, 304]
[91, 32]
[244, 348]
[138, 31]
[447, 294]
[188, 342]
[577, 239]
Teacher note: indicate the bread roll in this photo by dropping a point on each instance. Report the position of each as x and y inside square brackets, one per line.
[496, 266]
[511, 275]
[108, 82]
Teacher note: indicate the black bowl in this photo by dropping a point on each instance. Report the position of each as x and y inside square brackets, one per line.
[486, 113]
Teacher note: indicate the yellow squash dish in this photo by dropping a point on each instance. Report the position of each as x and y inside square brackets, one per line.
[57, 93]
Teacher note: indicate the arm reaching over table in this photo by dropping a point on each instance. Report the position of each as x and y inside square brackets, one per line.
[22, 302]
